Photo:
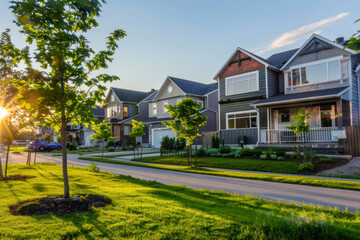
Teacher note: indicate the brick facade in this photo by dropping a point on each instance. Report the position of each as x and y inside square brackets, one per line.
[246, 66]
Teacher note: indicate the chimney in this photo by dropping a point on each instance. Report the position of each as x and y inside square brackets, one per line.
[152, 90]
[340, 40]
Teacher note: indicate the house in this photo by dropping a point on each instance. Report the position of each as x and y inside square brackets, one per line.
[86, 132]
[152, 109]
[122, 105]
[258, 97]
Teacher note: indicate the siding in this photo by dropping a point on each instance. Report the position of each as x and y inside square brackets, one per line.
[260, 93]
[232, 136]
[210, 126]
[273, 82]
[355, 61]
[213, 101]
[132, 109]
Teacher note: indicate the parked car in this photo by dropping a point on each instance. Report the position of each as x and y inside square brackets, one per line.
[44, 145]
[19, 142]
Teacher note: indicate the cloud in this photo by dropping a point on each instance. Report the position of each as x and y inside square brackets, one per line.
[295, 35]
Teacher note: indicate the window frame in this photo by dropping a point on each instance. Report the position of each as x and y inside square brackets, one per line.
[242, 112]
[127, 111]
[153, 106]
[242, 75]
[165, 104]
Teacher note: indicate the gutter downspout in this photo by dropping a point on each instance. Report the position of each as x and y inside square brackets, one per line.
[258, 124]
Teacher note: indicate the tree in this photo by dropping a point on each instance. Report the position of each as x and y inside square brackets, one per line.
[187, 120]
[102, 133]
[70, 85]
[300, 126]
[355, 39]
[137, 131]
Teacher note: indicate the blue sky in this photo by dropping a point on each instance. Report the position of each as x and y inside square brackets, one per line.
[192, 39]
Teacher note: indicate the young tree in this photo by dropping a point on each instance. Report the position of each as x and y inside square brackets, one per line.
[300, 126]
[70, 86]
[187, 120]
[355, 39]
[102, 133]
[137, 131]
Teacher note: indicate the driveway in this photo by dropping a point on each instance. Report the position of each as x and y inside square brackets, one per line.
[267, 190]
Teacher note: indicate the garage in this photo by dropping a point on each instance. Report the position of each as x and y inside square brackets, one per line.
[158, 134]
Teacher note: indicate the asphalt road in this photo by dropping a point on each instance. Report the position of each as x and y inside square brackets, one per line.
[267, 190]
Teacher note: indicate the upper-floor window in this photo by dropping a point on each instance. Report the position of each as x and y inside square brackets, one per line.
[112, 111]
[154, 109]
[75, 127]
[243, 83]
[316, 73]
[165, 105]
[126, 111]
[238, 120]
[200, 102]
[112, 97]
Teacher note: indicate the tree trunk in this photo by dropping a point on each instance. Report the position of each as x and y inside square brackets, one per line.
[7, 156]
[1, 171]
[190, 155]
[64, 159]
[141, 152]
[304, 147]
[35, 158]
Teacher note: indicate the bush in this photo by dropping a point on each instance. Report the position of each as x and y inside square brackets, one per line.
[273, 156]
[219, 155]
[201, 152]
[263, 156]
[295, 155]
[165, 143]
[281, 158]
[215, 141]
[180, 143]
[214, 154]
[225, 149]
[280, 152]
[212, 151]
[232, 154]
[225, 155]
[110, 144]
[111, 149]
[257, 152]
[247, 152]
[306, 167]
[238, 153]
[71, 146]
[93, 168]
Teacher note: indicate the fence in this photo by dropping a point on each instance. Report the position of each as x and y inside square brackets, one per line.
[352, 141]
[174, 152]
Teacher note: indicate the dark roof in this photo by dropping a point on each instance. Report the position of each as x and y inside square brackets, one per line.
[98, 111]
[151, 96]
[191, 87]
[279, 59]
[299, 97]
[126, 95]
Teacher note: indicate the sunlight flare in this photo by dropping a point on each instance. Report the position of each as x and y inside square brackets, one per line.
[3, 113]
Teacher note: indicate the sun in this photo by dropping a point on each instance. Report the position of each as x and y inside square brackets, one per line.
[3, 113]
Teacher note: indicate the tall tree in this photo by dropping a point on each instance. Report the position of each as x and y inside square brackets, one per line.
[187, 120]
[355, 39]
[71, 87]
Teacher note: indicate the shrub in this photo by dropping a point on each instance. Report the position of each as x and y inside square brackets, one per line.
[201, 152]
[219, 154]
[280, 152]
[306, 167]
[257, 152]
[212, 151]
[238, 153]
[215, 141]
[225, 149]
[111, 149]
[326, 159]
[213, 155]
[273, 156]
[281, 158]
[110, 144]
[270, 151]
[247, 152]
[232, 154]
[263, 156]
[93, 168]
[165, 143]
[225, 155]
[180, 143]
[296, 154]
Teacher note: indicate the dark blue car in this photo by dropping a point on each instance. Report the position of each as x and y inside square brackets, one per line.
[44, 145]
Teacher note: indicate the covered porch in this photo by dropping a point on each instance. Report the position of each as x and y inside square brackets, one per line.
[329, 114]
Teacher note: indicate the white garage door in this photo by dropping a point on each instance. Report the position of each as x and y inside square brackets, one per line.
[159, 134]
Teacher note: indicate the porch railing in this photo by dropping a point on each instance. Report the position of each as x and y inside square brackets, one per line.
[314, 135]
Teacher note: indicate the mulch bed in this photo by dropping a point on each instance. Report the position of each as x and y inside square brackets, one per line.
[15, 177]
[48, 205]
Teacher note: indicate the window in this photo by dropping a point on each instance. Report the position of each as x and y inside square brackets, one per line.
[126, 130]
[112, 111]
[285, 117]
[125, 111]
[165, 105]
[112, 97]
[74, 127]
[241, 120]
[153, 109]
[243, 83]
[321, 72]
[327, 116]
[201, 103]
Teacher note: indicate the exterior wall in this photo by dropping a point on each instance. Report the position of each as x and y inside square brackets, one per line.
[212, 101]
[257, 94]
[118, 103]
[210, 126]
[232, 136]
[355, 61]
[273, 82]
[163, 92]
[132, 109]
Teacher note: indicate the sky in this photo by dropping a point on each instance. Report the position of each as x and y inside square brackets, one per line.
[192, 39]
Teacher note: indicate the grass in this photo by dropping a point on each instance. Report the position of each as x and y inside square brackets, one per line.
[303, 180]
[149, 210]
[127, 154]
[85, 151]
[230, 163]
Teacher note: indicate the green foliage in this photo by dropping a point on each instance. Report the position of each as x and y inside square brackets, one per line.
[102, 132]
[165, 143]
[238, 153]
[306, 167]
[225, 155]
[168, 143]
[324, 159]
[187, 118]
[280, 151]
[281, 158]
[300, 125]
[137, 129]
[232, 154]
[93, 168]
[263, 156]
[219, 154]
[295, 154]
[110, 144]
[247, 151]
[212, 151]
[180, 143]
[225, 149]
[354, 42]
[215, 140]
[201, 152]
[273, 156]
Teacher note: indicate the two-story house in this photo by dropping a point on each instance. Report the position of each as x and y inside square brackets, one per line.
[152, 109]
[258, 97]
[122, 105]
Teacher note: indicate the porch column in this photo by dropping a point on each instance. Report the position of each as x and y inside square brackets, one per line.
[339, 118]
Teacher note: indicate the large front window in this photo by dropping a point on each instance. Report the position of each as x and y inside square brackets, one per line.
[241, 120]
[243, 83]
[112, 111]
[316, 73]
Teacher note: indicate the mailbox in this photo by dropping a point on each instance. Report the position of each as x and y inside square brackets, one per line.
[242, 141]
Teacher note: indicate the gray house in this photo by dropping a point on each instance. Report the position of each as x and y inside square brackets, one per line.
[152, 108]
[258, 97]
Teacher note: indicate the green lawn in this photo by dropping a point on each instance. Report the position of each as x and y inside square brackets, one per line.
[149, 210]
[127, 154]
[303, 180]
[230, 163]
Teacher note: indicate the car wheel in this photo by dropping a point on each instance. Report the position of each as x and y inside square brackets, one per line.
[58, 148]
[41, 149]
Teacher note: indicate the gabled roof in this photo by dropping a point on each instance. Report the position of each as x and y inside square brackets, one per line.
[150, 97]
[314, 35]
[98, 111]
[301, 97]
[126, 95]
[279, 59]
[194, 88]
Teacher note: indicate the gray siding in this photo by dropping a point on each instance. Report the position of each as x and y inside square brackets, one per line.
[355, 61]
[260, 93]
[132, 109]
[213, 101]
[232, 136]
[273, 82]
[210, 126]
